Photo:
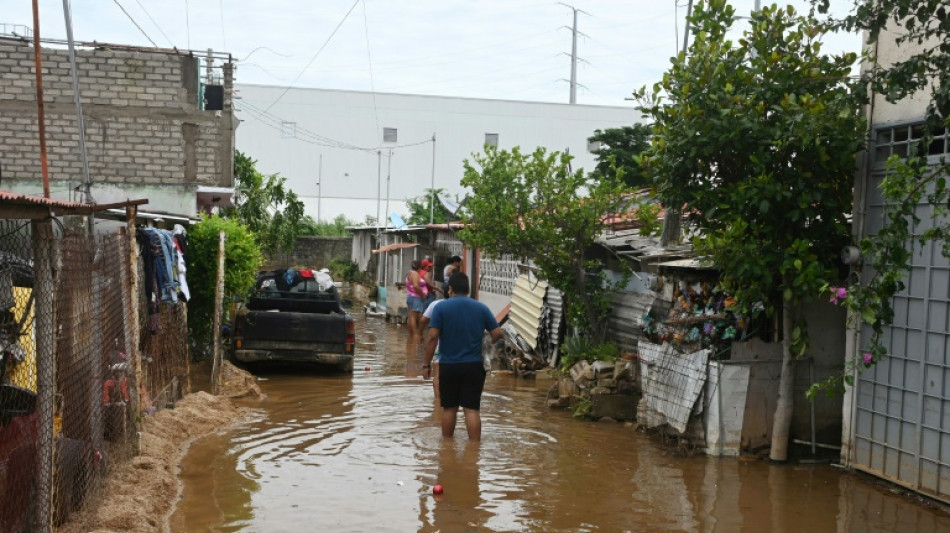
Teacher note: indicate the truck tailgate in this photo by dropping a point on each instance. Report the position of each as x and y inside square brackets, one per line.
[300, 327]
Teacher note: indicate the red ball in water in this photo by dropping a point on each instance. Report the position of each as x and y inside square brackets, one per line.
[437, 490]
[368, 368]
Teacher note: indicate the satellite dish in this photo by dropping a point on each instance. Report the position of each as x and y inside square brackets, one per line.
[397, 221]
[451, 206]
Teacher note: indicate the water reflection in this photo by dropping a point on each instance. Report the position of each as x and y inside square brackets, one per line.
[362, 453]
[459, 508]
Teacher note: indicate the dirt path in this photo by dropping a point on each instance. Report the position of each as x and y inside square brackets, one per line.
[140, 494]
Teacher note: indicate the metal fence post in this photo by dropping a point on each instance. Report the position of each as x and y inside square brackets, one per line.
[46, 369]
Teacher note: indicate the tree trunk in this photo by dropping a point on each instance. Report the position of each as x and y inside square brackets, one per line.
[786, 389]
[672, 227]
[596, 328]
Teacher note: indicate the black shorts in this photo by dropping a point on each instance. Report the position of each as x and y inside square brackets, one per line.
[461, 384]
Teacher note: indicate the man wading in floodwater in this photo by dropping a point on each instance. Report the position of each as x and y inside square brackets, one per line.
[457, 327]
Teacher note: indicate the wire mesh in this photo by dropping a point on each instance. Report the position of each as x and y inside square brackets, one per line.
[18, 376]
[78, 366]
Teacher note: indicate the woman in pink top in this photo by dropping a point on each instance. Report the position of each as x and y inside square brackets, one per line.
[417, 292]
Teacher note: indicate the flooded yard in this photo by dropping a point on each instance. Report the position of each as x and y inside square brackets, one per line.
[362, 453]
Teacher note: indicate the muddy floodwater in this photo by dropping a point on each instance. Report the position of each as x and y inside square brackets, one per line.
[362, 453]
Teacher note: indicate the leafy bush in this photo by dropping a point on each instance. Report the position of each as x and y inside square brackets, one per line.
[576, 349]
[649, 217]
[242, 260]
[347, 270]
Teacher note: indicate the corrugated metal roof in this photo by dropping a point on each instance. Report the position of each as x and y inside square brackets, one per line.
[690, 264]
[8, 197]
[527, 305]
[16, 205]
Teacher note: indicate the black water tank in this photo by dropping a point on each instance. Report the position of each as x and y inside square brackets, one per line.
[214, 97]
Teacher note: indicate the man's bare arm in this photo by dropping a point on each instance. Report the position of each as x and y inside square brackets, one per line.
[495, 334]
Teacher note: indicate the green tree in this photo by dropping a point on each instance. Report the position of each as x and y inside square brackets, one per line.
[242, 260]
[923, 24]
[270, 210]
[334, 228]
[421, 207]
[912, 187]
[531, 206]
[757, 139]
[621, 148]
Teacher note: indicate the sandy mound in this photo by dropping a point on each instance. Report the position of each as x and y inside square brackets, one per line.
[141, 493]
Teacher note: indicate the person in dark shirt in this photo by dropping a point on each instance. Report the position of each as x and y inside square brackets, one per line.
[457, 327]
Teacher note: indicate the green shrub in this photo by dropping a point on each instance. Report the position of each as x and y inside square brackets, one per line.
[241, 263]
[649, 217]
[347, 270]
[576, 349]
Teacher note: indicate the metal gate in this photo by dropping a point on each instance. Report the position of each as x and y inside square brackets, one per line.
[902, 411]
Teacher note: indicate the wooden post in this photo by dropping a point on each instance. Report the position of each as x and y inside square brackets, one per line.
[132, 318]
[216, 320]
[44, 320]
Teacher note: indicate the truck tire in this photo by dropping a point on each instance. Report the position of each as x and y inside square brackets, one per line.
[347, 367]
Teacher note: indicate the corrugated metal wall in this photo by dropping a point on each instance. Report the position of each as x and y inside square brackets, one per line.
[625, 324]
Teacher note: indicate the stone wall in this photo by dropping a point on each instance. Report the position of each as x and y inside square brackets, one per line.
[144, 125]
[315, 252]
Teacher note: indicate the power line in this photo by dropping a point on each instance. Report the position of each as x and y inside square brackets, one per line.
[136, 23]
[312, 59]
[372, 81]
[310, 137]
[149, 15]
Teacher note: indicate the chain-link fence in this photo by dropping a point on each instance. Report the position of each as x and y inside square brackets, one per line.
[83, 356]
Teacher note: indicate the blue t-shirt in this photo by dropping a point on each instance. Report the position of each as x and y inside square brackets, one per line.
[462, 322]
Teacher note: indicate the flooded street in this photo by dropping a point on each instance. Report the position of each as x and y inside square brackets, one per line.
[361, 453]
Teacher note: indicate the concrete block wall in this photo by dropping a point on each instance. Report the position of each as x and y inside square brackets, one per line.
[312, 251]
[143, 122]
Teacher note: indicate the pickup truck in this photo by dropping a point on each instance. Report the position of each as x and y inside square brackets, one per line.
[293, 318]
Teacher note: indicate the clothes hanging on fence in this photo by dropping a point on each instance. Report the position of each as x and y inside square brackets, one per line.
[148, 250]
[181, 244]
[181, 237]
[182, 268]
[165, 263]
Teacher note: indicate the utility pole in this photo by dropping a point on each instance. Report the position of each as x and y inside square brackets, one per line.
[389, 172]
[432, 185]
[40, 110]
[86, 179]
[689, 11]
[379, 187]
[574, 32]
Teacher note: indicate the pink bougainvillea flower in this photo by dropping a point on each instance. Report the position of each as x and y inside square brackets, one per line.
[834, 295]
[868, 358]
[841, 293]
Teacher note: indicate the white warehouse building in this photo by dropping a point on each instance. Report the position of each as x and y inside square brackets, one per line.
[341, 151]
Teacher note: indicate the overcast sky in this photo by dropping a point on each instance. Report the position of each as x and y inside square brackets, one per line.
[508, 49]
